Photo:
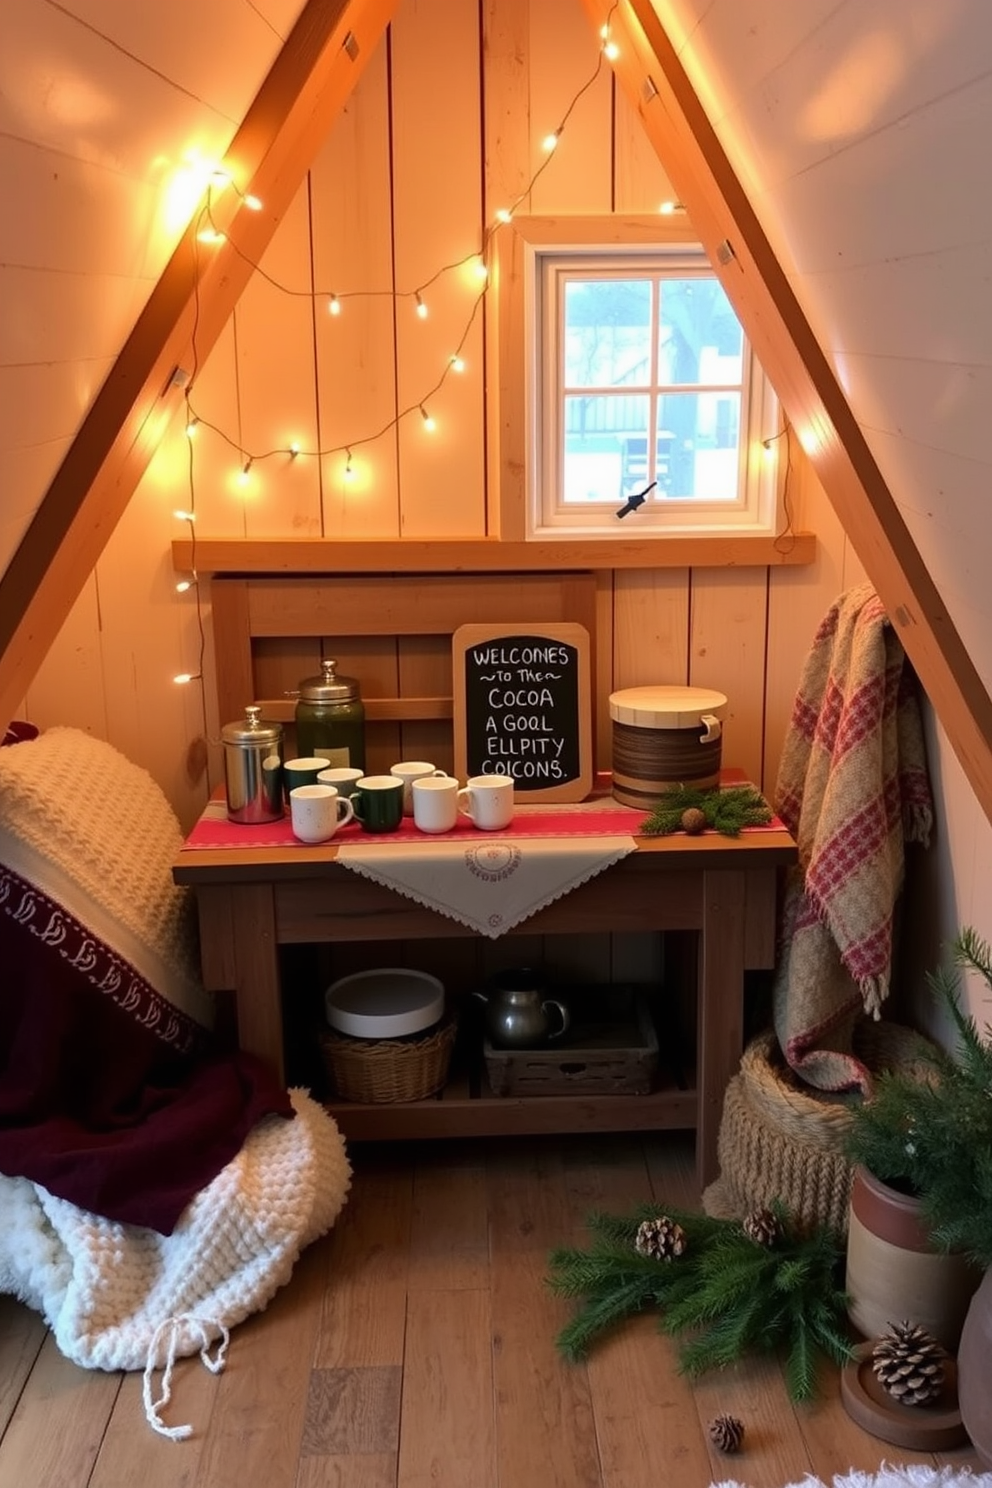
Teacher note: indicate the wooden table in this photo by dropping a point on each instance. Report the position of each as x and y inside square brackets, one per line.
[253, 900]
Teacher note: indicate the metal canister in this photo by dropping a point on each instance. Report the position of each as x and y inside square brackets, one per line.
[253, 768]
[330, 718]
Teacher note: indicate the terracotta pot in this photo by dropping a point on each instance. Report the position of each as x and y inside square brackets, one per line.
[894, 1272]
[974, 1368]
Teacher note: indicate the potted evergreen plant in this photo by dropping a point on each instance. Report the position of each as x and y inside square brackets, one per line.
[923, 1149]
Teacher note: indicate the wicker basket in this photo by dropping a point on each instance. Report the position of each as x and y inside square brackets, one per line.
[780, 1139]
[381, 1071]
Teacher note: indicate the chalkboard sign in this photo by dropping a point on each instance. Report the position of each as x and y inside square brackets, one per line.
[522, 707]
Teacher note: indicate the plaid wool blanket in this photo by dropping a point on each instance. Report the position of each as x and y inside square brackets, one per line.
[852, 789]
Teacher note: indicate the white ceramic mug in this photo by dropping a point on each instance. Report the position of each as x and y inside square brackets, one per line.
[435, 803]
[344, 778]
[488, 800]
[316, 812]
[409, 771]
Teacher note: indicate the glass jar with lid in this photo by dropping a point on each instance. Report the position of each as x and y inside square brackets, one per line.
[330, 718]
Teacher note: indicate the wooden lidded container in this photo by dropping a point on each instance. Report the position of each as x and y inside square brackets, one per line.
[665, 736]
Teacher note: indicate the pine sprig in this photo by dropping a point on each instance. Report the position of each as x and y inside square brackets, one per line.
[928, 1128]
[724, 1297]
[728, 811]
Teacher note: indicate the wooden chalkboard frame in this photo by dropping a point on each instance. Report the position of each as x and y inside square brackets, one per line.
[466, 638]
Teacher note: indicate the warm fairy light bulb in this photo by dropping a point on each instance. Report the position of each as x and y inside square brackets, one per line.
[252, 203]
[219, 177]
[191, 428]
[611, 51]
[429, 423]
[183, 585]
[768, 449]
[209, 235]
[421, 307]
[503, 214]
[294, 449]
[334, 305]
[457, 364]
[667, 208]
[549, 141]
[244, 473]
[184, 516]
[181, 678]
[349, 469]
[481, 272]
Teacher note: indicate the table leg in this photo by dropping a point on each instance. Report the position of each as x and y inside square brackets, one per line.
[720, 1008]
[256, 970]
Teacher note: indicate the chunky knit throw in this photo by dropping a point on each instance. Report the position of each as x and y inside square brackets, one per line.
[121, 1297]
[852, 789]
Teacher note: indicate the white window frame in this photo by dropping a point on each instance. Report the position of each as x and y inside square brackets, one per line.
[754, 509]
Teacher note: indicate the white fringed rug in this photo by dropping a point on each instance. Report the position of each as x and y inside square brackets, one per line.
[913, 1476]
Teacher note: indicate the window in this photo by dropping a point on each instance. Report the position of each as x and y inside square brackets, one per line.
[641, 384]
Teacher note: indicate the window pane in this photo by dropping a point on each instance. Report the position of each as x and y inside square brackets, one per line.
[605, 448]
[698, 445]
[607, 332]
[699, 337]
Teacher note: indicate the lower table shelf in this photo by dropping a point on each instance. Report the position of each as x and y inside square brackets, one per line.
[458, 1113]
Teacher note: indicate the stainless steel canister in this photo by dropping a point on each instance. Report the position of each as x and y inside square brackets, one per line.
[253, 768]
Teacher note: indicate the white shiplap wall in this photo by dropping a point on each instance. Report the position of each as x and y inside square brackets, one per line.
[100, 102]
[860, 131]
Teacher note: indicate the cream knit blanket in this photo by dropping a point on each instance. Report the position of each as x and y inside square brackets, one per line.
[120, 1297]
[96, 833]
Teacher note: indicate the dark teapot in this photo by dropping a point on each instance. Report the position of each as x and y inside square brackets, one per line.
[519, 1013]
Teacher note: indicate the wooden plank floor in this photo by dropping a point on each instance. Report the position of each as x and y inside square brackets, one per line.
[414, 1348]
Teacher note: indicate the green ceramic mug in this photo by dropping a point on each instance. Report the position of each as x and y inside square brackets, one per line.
[378, 802]
[301, 772]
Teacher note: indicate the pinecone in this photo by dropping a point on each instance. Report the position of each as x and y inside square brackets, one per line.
[727, 1433]
[693, 821]
[762, 1227]
[660, 1238]
[909, 1362]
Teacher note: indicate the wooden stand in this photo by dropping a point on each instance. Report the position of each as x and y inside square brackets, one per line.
[253, 900]
[922, 1428]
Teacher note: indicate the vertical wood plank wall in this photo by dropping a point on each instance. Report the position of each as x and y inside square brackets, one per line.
[446, 126]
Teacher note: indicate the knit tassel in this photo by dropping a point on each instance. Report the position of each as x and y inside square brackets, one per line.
[206, 1329]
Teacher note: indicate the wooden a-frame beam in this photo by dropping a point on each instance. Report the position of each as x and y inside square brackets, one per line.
[676, 123]
[305, 90]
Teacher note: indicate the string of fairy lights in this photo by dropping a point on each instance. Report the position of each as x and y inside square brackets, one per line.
[207, 233]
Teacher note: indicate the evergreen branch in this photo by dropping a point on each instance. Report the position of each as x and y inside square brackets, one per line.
[800, 1366]
[728, 811]
[722, 1297]
[598, 1316]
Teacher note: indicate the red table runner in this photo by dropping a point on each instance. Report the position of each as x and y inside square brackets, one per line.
[587, 819]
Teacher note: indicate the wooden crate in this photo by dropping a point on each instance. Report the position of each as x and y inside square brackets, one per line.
[610, 1049]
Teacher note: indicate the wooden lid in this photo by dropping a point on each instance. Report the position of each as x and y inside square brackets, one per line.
[666, 707]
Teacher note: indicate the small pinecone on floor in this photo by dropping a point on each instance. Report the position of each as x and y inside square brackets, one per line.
[726, 1433]
[762, 1227]
[661, 1238]
[909, 1362]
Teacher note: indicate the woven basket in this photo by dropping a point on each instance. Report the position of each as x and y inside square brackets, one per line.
[780, 1139]
[381, 1071]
